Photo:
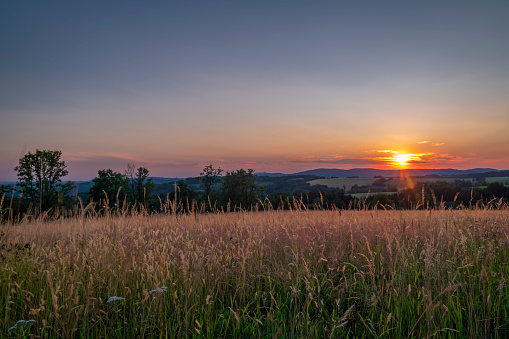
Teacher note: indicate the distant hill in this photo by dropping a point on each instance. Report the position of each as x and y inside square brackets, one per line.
[490, 174]
[371, 172]
[161, 180]
[266, 174]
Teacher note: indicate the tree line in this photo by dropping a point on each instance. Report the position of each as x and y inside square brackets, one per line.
[40, 189]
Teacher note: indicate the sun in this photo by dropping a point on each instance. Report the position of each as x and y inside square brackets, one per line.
[402, 159]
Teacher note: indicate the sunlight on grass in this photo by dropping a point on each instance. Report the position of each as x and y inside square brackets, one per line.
[373, 273]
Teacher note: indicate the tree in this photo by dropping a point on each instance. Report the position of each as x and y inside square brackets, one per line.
[239, 188]
[129, 174]
[40, 178]
[209, 176]
[382, 200]
[4, 190]
[143, 185]
[4, 202]
[139, 186]
[496, 190]
[113, 183]
[184, 195]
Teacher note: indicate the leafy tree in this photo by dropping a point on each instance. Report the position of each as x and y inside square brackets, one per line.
[496, 190]
[109, 183]
[144, 186]
[240, 189]
[382, 199]
[139, 186]
[40, 178]
[4, 190]
[209, 176]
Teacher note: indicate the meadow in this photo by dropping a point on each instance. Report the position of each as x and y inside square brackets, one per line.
[268, 274]
[344, 183]
[399, 183]
[503, 180]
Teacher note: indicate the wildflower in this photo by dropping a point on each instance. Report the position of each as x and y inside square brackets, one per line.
[159, 290]
[20, 322]
[114, 299]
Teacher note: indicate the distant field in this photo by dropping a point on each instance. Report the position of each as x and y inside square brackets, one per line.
[414, 180]
[347, 183]
[502, 180]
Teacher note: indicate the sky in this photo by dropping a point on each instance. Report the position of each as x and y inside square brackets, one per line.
[277, 86]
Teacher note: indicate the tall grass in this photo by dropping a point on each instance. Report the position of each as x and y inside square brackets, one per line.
[368, 273]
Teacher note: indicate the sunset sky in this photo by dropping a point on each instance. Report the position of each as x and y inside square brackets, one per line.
[277, 86]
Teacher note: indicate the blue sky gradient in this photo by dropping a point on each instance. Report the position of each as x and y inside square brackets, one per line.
[269, 85]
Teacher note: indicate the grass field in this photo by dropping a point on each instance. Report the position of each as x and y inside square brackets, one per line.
[274, 274]
[401, 183]
[502, 180]
[345, 183]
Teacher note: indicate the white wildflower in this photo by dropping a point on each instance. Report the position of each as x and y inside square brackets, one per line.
[159, 290]
[114, 299]
[20, 322]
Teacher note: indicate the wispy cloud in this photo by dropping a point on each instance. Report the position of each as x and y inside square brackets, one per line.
[439, 158]
[385, 151]
[338, 162]
[334, 159]
[433, 143]
[330, 157]
[120, 159]
[391, 158]
[385, 158]
[94, 157]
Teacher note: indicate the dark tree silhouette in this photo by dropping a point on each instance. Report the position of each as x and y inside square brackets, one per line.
[240, 189]
[40, 178]
[209, 176]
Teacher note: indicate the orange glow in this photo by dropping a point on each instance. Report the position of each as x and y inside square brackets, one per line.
[402, 159]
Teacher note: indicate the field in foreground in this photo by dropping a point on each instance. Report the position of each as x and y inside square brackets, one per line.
[259, 274]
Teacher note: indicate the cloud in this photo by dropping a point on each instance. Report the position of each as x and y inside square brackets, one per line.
[321, 157]
[120, 159]
[383, 158]
[386, 151]
[440, 158]
[87, 156]
[423, 142]
[86, 165]
[353, 161]
[419, 159]
[436, 159]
